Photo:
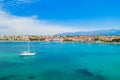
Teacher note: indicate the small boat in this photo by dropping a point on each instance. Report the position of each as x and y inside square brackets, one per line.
[27, 53]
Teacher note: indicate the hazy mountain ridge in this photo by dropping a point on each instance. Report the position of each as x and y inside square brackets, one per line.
[97, 32]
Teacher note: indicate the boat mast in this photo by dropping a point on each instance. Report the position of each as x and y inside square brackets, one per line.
[28, 45]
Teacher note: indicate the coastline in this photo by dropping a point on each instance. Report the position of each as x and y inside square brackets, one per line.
[67, 42]
[83, 39]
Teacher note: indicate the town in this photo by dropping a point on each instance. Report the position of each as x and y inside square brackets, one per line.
[94, 39]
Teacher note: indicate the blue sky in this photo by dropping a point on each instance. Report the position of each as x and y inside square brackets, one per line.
[63, 15]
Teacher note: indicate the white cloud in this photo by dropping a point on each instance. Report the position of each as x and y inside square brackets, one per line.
[16, 2]
[11, 24]
[23, 1]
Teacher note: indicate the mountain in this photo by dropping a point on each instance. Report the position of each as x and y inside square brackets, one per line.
[109, 32]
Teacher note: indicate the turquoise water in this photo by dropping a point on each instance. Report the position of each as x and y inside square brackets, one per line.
[60, 61]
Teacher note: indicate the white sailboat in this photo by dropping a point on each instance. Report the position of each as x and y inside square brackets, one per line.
[27, 53]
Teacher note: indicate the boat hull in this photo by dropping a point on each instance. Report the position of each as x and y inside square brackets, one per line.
[27, 54]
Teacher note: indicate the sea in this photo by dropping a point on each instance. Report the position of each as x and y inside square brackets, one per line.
[60, 61]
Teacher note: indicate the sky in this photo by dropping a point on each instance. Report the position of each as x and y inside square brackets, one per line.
[49, 17]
